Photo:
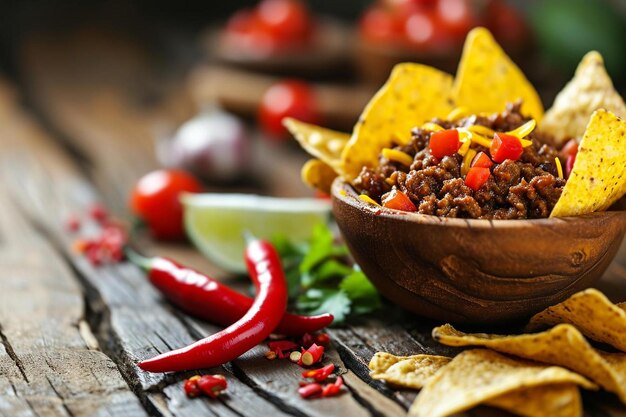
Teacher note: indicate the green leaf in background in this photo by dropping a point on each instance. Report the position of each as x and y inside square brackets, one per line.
[333, 301]
[360, 290]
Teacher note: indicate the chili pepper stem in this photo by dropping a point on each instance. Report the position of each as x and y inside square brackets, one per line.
[136, 258]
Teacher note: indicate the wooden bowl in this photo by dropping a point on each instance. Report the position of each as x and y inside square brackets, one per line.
[475, 271]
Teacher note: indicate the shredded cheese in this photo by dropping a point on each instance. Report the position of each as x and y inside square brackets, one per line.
[433, 127]
[401, 139]
[481, 140]
[368, 199]
[465, 136]
[526, 143]
[559, 168]
[482, 130]
[398, 156]
[458, 113]
[524, 130]
[467, 161]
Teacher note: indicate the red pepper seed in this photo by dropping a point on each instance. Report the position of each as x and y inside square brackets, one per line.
[310, 390]
[295, 356]
[270, 354]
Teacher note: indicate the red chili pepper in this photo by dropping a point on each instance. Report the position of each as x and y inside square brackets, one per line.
[312, 355]
[191, 386]
[255, 326]
[320, 374]
[481, 160]
[282, 345]
[310, 390]
[330, 390]
[396, 199]
[504, 147]
[212, 385]
[476, 177]
[208, 299]
[444, 143]
[570, 148]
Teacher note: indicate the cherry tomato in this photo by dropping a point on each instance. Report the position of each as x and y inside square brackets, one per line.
[288, 20]
[505, 146]
[570, 148]
[456, 17]
[288, 98]
[424, 31]
[444, 143]
[380, 24]
[476, 177]
[155, 199]
[506, 23]
[396, 199]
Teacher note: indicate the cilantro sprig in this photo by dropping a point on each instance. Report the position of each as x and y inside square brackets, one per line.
[322, 279]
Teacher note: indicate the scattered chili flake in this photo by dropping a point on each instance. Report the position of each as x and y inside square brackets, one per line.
[72, 223]
[322, 339]
[310, 390]
[191, 386]
[330, 390]
[98, 212]
[106, 248]
[312, 355]
[281, 347]
[307, 340]
[212, 385]
[320, 374]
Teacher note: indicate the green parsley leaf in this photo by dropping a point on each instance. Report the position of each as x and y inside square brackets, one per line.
[333, 301]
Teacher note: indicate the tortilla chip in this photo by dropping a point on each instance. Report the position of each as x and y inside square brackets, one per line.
[322, 143]
[406, 371]
[476, 376]
[558, 400]
[590, 89]
[598, 178]
[562, 345]
[590, 312]
[415, 371]
[412, 95]
[487, 79]
[317, 174]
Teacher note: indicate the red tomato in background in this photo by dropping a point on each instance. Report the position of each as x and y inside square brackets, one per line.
[155, 199]
[456, 17]
[288, 20]
[423, 30]
[288, 98]
[379, 24]
[506, 23]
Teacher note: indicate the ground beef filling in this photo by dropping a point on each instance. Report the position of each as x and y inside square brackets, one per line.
[524, 189]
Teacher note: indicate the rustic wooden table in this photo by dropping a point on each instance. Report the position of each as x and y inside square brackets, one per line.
[76, 127]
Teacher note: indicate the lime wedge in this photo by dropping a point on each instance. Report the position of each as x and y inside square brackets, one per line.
[216, 223]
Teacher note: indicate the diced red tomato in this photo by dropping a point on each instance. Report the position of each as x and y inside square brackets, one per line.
[570, 148]
[444, 143]
[504, 147]
[396, 199]
[288, 98]
[476, 177]
[481, 160]
[569, 164]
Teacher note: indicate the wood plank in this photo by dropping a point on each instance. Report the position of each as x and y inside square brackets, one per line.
[128, 314]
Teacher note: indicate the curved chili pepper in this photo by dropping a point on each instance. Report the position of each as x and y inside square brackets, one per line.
[255, 326]
[210, 300]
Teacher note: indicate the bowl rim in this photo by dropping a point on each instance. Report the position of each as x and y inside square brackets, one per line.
[343, 191]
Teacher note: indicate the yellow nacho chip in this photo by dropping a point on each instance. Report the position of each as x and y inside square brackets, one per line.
[487, 79]
[317, 174]
[562, 345]
[590, 89]
[322, 143]
[598, 178]
[590, 312]
[412, 95]
[476, 376]
[558, 400]
[406, 371]
[562, 400]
